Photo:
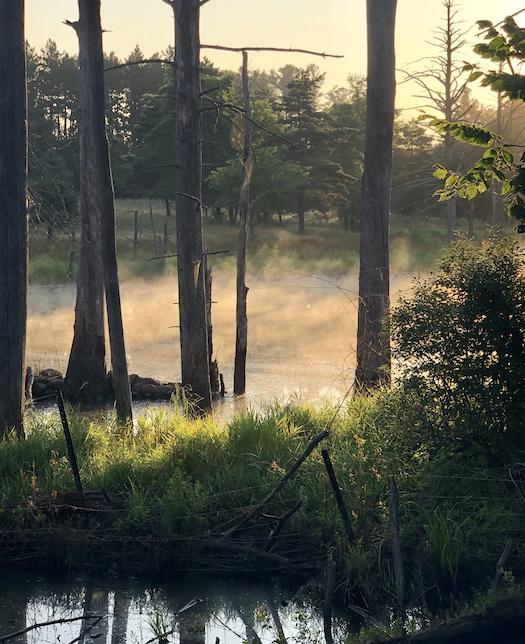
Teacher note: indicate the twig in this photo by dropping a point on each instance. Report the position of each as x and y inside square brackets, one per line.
[53, 622]
[216, 252]
[280, 525]
[149, 61]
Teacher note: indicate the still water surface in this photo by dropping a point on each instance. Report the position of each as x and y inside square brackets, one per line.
[194, 611]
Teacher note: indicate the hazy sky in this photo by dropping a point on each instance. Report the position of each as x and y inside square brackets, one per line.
[334, 26]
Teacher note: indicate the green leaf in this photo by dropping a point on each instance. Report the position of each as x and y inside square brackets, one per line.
[474, 76]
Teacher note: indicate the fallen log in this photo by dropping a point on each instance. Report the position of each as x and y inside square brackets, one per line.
[503, 623]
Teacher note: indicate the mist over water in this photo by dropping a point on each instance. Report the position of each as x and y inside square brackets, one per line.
[302, 330]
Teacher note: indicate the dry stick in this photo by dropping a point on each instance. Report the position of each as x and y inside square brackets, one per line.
[287, 50]
[152, 219]
[160, 61]
[329, 598]
[216, 252]
[501, 564]
[347, 522]
[70, 448]
[280, 525]
[395, 543]
[297, 464]
[65, 620]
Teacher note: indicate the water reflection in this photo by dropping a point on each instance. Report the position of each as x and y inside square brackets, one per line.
[190, 612]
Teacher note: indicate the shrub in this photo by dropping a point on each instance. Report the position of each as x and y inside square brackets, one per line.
[460, 340]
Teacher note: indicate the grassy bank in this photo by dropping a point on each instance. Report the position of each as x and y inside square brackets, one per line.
[174, 486]
[325, 248]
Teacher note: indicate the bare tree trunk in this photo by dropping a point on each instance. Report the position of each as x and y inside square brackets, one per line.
[373, 338]
[241, 341]
[13, 215]
[86, 371]
[214, 367]
[188, 202]
[97, 170]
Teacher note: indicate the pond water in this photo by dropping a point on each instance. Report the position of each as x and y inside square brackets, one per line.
[302, 331]
[194, 611]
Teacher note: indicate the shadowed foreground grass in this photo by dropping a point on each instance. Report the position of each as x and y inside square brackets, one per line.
[180, 480]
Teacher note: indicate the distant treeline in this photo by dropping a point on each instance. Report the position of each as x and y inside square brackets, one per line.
[308, 145]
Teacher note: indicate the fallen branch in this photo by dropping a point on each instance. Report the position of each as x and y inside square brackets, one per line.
[297, 464]
[53, 622]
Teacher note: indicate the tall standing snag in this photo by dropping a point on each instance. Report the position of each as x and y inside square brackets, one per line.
[373, 339]
[241, 340]
[97, 187]
[13, 214]
[188, 202]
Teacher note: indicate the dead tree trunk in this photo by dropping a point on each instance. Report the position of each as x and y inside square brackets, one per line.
[188, 203]
[96, 169]
[86, 371]
[166, 240]
[13, 215]
[241, 341]
[373, 338]
[214, 367]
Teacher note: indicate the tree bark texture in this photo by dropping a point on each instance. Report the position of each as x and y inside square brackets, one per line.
[13, 214]
[373, 337]
[241, 339]
[86, 371]
[188, 203]
[98, 189]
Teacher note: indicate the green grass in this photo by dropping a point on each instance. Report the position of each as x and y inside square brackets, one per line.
[181, 478]
[323, 249]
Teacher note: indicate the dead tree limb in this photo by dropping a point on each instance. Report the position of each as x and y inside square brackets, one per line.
[338, 495]
[70, 447]
[133, 63]
[241, 339]
[53, 622]
[287, 50]
[284, 480]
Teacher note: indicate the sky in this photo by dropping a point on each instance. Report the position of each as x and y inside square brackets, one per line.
[332, 26]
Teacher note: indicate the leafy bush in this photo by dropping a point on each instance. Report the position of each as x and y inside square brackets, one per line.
[460, 340]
